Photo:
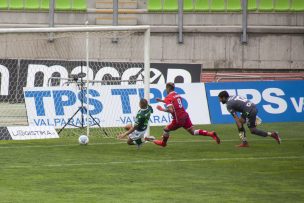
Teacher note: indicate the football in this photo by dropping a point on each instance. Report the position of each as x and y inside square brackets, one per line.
[83, 139]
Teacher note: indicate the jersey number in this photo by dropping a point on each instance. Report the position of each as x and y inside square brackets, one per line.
[179, 101]
[243, 100]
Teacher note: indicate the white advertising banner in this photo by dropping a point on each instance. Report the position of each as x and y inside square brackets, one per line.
[32, 132]
[109, 106]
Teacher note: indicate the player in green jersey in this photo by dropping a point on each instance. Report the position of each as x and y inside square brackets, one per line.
[137, 131]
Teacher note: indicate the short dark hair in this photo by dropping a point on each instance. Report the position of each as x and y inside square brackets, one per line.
[143, 102]
[170, 86]
[223, 94]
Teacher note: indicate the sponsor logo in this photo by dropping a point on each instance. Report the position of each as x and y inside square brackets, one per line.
[28, 132]
[114, 106]
[38, 73]
[276, 100]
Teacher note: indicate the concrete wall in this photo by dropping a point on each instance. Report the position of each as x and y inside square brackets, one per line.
[198, 19]
[212, 50]
[217, 50]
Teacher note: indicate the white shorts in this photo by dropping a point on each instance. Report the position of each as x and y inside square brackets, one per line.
[137, 135]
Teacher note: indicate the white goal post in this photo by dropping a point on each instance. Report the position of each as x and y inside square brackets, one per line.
[28, 60]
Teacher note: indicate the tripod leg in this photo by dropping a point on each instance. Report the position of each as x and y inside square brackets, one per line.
[68, 121]
[104, 131]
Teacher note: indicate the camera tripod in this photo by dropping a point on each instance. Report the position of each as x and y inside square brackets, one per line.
[82, 109]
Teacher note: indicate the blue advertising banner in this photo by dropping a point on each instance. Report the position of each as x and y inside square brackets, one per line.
[110, 106]
[277, 101]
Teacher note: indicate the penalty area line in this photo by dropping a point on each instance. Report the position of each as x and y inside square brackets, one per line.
[7, 146]
[150, 161]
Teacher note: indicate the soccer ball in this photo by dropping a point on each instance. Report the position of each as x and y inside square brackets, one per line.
[83, 139]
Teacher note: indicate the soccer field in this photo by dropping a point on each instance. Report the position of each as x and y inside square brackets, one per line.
[189, 169]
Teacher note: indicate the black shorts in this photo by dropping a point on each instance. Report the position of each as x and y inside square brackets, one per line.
[250, 118]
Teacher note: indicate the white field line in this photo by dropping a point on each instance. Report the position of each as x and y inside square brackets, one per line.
[150, 161]
[8, 146]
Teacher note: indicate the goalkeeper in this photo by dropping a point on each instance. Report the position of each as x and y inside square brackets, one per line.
[249, 112]
[137, 131]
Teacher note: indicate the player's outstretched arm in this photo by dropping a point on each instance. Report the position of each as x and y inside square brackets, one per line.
[160, 100]
[128, 132]
[237, 121]
[169, 109]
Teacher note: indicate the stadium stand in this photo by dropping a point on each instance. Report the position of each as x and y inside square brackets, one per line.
[251, 5]
[217, 5]
[63, 5]
[122, 4]
[201, 5]
[188, 5]
[37, 5]
[297, 5]
[45, 4]
[155, 5]
[79, 5]
[234, 5]
[265, 5]
[3, 4]
[32, 4]
[16, 5]
[281, 5]
[226, 5]
[170, 5]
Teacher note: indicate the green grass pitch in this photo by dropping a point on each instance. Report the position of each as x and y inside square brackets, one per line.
[190, 169]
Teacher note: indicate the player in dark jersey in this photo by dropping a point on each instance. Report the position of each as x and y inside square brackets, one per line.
[137, 131]
[180, 117]
[248, 112]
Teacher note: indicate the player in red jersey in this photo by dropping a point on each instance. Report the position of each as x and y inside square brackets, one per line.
[180, 117]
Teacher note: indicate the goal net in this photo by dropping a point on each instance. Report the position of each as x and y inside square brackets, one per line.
[79, 80]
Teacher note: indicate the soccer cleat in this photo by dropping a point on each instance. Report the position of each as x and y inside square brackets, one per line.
[243, 144]
[276, 136]
[214, 136]
[160, 143]
[149, 138]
